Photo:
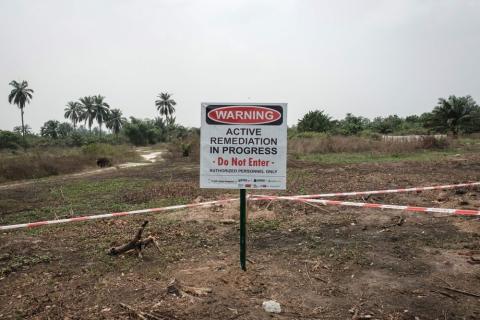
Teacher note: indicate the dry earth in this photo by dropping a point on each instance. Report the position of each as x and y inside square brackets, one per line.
[318, 263]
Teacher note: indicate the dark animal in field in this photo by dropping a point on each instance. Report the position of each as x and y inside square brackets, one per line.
[104, 162]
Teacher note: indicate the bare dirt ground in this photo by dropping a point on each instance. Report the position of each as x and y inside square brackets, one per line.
[318, 263]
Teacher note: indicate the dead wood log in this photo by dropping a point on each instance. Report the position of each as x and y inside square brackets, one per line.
[136, 243]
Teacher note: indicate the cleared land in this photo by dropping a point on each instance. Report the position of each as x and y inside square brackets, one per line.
[318, 263]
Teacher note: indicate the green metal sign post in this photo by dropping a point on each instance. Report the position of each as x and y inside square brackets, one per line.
[243, 229]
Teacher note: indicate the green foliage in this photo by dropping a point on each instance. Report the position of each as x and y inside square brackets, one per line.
[186, 148]
[386, 125]
[50, 129]
[20, 95]
[143, 132]
[10, 140]
[115, 121]
[455, 114]
[88, 111]
[64, 129]
[317, 121]
[76, 139]
[352, 125]
[19, 129]
[101, 110]
[74, 111]
[166, 105]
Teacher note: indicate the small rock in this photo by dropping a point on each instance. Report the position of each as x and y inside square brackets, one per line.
[227, 221]
[443, 196]
[271, 306]
[198, 199]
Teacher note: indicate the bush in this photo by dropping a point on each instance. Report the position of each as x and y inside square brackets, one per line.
[10, 140]
[143, 132]
[188, 147]
[317, 121]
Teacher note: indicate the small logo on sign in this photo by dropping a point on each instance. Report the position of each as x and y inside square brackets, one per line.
[244, 115]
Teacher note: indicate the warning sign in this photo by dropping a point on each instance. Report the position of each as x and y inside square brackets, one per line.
[243, 146]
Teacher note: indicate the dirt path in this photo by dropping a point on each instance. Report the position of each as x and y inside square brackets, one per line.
[149, 156]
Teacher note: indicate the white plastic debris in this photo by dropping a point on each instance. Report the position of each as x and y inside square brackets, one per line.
[271, 306]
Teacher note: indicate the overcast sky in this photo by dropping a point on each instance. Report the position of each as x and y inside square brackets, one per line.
[367, 57]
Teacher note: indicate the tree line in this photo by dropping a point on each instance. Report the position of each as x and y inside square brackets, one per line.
[95, 109]
[454, 115]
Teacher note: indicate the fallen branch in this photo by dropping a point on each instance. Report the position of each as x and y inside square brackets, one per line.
[474, 260]
[140, 314]
[471, 294]
[132, 311]
[444, 294]
[136, 243]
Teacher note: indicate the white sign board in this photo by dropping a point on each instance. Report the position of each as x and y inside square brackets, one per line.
[243, 146]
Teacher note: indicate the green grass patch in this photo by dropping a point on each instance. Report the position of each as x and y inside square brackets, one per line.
[10, 263]
[263, 225]
[80, 198]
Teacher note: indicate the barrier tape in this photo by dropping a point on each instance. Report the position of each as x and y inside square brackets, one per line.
[116, 214]
[386, 191]
[305, 198]
[464, 212]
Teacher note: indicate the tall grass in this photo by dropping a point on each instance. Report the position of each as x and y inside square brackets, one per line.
[38, 163]
[352, 144]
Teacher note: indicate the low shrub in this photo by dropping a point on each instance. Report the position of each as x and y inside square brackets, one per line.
[187, 148]
[10, 140]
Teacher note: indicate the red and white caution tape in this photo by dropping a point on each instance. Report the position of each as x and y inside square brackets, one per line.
[358, 193]
[116, 214]
[304, 198]
[464, 212]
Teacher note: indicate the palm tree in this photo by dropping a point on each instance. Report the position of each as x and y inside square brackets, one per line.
[101, 110]
[165, 105]
[115, 121]
[50, 129]
[453, 114]
[74, 112]
[87, 114]
[20, 95]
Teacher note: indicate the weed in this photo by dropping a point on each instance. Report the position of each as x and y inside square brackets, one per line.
[264, 225]
[16, 263]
